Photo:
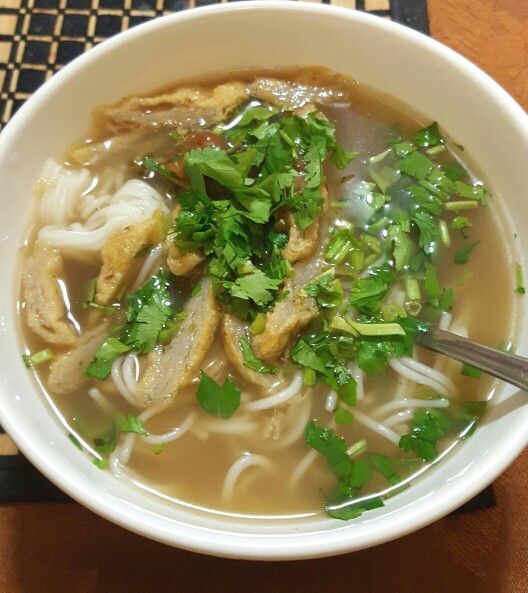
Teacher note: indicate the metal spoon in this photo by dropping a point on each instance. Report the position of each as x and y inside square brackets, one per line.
[508, 367]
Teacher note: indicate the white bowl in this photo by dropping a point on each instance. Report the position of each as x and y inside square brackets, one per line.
[424, 74]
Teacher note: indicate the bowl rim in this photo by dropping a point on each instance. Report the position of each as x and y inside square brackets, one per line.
[242, 545]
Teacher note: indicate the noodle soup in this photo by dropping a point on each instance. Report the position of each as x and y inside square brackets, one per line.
[224, 282]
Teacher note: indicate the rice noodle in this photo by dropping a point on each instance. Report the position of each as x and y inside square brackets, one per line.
[278, 398]
[62, 190]
[97, 395]
[130, 372]
[302, 468]
[122, 453]
[375, 426]
[120, 383]
[417, 377]
[149, 267]
[296, 430]
[135, 202]
[430, 373]
[242, 463]
[231, 427]
[171, 435]
[398, 418]
[359, 377]
[398, 404]
[331, 401]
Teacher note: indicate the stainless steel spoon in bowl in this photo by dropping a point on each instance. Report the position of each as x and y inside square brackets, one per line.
[508, 367]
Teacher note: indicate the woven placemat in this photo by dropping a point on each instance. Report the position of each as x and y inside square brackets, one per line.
[37, 38]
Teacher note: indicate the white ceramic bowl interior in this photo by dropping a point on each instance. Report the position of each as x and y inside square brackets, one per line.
[427, 76]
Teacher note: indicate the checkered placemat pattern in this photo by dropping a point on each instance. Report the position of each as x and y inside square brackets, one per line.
[37, 38]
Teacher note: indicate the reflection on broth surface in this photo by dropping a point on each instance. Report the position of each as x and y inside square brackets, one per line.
[223, 283]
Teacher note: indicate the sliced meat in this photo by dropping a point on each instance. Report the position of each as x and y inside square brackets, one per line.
[292, 95]
[233, 330]
[45, 309]
[119, 256]
[172, 367]
[67, 371]
[302, 244]
[188, 108]
[284, 321]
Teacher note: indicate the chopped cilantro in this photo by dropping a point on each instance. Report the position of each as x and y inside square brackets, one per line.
[427, 137]
[106, 443]
[343, 417]
[325, 354]
[219, 400]
[428, 428]
[150, 319]
[462, 255]
[385, 467]
[326, 290]
[110, 350]
[416, 165]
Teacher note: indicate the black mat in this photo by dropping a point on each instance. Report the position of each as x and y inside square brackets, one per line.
[37, 38]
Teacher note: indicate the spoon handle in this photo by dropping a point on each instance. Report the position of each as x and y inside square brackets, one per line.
[508, 367]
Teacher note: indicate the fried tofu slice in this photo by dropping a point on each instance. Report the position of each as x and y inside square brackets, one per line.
[186, 108]
[119, 256]
[174, 366]
[44, 304]
[66, 373]
[233, 330]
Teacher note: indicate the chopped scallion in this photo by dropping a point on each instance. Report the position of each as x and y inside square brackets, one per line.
[357, 449]
[444, 233]
[40, 357]
[461, 205]
[259, 324]
[435, 150]
[350, 326]
[309, 377]
[412, 289]
[519, 275]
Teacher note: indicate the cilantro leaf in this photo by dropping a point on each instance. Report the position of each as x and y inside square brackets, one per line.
[149, 312]
[255, 286]
[427, 137]
[130, 423]
[374, 351]
[219, 400]
[251, 361]
[325, 290]
[109, 351]
[428, 428]
[213, 163]
[462, 255]
[325, 354]
[342, 157]
[105, 444]
[416, 165]
[429, 233]
[385, 467]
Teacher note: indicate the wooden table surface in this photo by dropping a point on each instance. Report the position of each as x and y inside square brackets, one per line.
[65, 548]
